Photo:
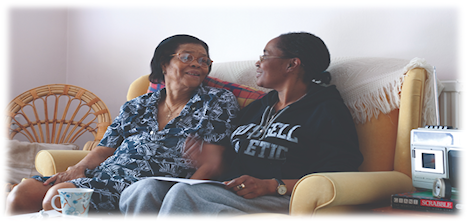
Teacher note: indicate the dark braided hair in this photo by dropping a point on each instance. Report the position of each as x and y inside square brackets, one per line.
[311, 51]
[165, 50]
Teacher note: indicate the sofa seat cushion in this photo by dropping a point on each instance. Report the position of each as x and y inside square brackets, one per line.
[21, 158]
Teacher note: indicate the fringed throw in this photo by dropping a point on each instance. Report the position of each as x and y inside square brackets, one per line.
[373, 85]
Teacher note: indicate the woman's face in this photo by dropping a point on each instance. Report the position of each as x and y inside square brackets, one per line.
[186, 75]
[271, 71]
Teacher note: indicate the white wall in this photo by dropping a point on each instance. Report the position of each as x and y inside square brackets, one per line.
[37, 48]
[103, 49]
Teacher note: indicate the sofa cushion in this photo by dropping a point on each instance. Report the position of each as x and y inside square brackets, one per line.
[21, 158]
[245, 94]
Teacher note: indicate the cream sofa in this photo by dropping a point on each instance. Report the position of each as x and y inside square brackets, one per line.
[387, 97]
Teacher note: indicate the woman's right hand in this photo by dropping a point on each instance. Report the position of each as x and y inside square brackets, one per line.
[97, 155]
[250, 187]
[71, 173]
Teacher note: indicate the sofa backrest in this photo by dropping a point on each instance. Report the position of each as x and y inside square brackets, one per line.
[238, 77]
[244, 94]
[384, 141]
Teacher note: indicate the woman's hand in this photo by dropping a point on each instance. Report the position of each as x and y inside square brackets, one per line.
[250, 187]
[71, 173]
[97, 155]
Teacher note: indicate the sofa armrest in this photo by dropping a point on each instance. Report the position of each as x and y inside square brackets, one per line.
[50, 162]
[410, 117]
[324, 190]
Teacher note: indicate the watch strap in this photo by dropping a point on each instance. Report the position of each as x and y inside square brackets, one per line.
[281, 188]
[280, 182]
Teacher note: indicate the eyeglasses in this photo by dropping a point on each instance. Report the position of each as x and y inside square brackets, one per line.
[263, 57]
[187, 58]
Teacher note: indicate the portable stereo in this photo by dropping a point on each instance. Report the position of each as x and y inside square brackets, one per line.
[436, 153]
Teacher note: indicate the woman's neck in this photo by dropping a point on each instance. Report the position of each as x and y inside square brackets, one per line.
[174, 98]
[291, 95]
[177, 93]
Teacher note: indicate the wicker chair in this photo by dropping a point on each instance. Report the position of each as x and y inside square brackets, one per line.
[57, 113]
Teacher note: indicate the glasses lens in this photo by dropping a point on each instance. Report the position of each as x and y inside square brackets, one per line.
[204, 61]
[261, 58]
[185, 57]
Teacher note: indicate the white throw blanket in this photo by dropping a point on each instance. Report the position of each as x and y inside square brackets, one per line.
[362, 82]
[373, 85]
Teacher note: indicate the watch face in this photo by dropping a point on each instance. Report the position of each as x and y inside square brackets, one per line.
[282, 190]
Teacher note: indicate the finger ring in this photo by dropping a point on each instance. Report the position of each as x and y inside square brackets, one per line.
[241, 186]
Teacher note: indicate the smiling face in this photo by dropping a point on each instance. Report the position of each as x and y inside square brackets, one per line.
[185, 75]
[271, 71]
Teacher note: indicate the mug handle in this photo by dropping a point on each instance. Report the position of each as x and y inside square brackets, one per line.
[53, 203]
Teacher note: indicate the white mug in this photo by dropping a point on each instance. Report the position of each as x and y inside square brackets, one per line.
[74, 201]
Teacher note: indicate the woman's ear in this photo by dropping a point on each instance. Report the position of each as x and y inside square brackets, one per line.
[293, 63]
[163, 67]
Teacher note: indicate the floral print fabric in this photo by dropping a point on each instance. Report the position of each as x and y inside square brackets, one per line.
[144, 151]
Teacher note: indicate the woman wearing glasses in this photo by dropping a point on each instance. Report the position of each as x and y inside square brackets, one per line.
[148, 137]
[300, 127]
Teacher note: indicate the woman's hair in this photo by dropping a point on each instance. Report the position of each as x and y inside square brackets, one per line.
[311, 51]
[165, 50]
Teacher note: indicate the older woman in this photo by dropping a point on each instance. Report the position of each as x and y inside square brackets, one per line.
[148, 137]
[300, 127]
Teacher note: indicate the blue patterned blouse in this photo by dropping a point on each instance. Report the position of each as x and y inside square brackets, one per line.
[141, 150]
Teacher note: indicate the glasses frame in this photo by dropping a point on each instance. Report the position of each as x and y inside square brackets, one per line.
[197, 59]
[263, 57]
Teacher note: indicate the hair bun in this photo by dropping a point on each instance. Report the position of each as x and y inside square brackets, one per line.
[322, 78]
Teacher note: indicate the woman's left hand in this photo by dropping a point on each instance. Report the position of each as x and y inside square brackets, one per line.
[250, 187]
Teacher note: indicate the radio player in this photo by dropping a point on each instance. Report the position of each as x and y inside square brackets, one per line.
[436, 153]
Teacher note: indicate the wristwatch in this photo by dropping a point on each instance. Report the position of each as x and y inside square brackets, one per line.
[281, 188]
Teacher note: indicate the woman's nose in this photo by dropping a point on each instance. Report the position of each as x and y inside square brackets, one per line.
[195, 63]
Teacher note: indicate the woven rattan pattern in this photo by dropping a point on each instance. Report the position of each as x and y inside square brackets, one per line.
[57, 113]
